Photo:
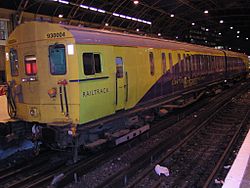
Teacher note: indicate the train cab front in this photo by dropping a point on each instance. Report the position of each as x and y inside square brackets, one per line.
[37, 75]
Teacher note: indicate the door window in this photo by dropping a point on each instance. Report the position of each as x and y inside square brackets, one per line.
[119, 67]
[57, 59]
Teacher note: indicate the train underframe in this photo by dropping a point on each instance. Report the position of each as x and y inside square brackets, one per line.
[128, 124]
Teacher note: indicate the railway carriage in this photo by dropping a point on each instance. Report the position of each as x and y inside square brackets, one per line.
[68, 82]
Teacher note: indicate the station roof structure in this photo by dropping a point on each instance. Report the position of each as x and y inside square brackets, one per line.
[212, 23]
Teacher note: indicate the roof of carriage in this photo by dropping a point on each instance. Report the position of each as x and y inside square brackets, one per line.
[205, 22]
[106, 37]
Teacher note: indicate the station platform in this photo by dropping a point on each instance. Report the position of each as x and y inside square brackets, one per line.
[239, 174]
[4, 116]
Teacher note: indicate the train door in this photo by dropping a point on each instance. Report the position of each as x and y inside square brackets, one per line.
[120, 83]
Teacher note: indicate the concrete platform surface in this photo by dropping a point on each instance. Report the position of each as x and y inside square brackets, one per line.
[239, 174]
[4, 116]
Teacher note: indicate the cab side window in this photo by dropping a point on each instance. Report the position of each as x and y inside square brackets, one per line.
[91, 63]
[152, 64]
[57, 59]
[13, 62]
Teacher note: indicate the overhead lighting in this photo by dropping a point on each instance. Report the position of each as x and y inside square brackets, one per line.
[205, 11]
[84, 6]
[137, 30]
[93, 8]
[105, 12]
[221, 21]
[219, 33]
[131, 18]
[115, 14]
[171, 15]
[101, 11]
[176, 37]
[238, 36]
[230, 48]
[238, 32]
[205, 41]
[231, 27]
[106, 24]
[159, 34]
[247, 38]
[122, 16]
[64, 2]
[136, 2]
[193, 23]
[60, 15]
[239, 49]
[207, 29]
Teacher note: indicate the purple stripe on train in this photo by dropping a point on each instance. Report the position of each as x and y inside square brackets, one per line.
[171, 83]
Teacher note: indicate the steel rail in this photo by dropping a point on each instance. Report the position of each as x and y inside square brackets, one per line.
[229, 147]
[123, 175]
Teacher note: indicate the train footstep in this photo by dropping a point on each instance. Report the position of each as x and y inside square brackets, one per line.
[161, 170]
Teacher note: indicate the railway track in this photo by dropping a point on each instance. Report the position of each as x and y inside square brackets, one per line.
[45, 176]
[121, 170]
[125, 176]
[196, 160]
[22, 174]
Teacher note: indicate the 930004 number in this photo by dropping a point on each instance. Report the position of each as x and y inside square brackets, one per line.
[56, 35]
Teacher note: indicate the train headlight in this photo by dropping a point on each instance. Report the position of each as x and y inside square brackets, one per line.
[7, 57]
[33, 112]
[52, 92]
[70, 48]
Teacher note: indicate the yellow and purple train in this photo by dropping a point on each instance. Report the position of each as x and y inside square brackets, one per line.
[69, 82]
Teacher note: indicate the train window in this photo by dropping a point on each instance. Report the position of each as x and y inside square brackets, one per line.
[152, 65]
[57, 59]
[119, 67]
[179, 63]
[170, 62]
[197, 62]
[13, 62]
[188, 63]
[30, 65]
[212, 63]
[91, 63]
[193, 62]
[163, 59]
[184, 63]
[98, 68]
